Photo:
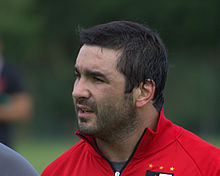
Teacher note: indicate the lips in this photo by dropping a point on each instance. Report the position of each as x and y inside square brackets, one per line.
[84, 111]
[83, 108]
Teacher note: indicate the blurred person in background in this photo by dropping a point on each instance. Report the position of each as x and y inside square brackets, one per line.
[15, 103]
[121, 70]
[13, 164]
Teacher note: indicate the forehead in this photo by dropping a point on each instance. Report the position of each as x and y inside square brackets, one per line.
[95, 57]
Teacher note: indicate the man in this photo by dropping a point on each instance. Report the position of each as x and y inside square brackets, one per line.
[13, 164]
[15, 103]
[121, 71]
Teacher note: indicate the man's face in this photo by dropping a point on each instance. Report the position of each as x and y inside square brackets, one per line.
[101, 105]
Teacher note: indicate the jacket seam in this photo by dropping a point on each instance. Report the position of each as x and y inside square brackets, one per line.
[188, 153]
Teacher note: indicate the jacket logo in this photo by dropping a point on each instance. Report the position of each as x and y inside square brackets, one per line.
[151, 173]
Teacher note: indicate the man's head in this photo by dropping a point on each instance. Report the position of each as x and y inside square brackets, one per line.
[143, 55]
[116, 70]
[102, 107]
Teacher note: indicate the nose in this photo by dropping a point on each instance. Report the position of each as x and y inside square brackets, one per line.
[80, 89]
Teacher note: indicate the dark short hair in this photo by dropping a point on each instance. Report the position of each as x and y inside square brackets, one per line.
[143, 53]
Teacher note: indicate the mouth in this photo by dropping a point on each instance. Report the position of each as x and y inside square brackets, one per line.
[84, 111]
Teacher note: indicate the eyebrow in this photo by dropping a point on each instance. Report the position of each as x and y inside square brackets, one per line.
[93, 73]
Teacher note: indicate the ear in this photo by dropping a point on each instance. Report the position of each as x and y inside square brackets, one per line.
[144, 93]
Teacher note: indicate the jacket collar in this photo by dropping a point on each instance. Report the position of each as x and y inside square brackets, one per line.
[151, 141]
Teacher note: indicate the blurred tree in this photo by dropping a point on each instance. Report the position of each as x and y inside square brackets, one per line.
[19, 28]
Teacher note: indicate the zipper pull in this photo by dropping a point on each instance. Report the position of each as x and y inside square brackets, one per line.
[117, 173]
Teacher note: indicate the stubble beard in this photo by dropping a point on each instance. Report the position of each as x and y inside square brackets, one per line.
[115, 118]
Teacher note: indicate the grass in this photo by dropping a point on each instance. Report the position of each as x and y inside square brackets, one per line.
[41, 152]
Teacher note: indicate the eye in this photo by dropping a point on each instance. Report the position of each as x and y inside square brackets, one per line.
[97, 79]
[77, 75]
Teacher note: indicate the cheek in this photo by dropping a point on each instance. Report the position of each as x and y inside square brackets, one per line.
[112, 91]
[104, 92]
[108, 100]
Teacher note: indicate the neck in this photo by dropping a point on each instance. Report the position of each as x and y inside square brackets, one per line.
[120, 149]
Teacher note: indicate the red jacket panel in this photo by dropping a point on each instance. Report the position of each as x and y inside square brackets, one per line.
[171, 150]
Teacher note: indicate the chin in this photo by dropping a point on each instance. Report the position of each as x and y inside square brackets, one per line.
[84, 129]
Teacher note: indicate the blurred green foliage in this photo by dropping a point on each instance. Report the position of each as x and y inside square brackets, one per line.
[41, 38]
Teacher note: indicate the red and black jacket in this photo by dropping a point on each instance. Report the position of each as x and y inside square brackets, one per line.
[171, 150]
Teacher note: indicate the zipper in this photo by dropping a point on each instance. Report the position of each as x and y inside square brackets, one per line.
[116, 172]
[131, 156]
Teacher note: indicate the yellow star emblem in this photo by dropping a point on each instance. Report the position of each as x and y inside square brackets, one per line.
[172, 168]
[161, 167]
[150, 165]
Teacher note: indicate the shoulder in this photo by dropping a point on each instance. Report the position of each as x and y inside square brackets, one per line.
[10, 70]
[69, 157]
[12, 163]
[203, 154]
[72, 152]
[12, 79]
[194, 144]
